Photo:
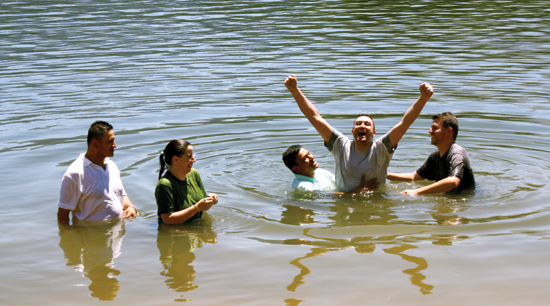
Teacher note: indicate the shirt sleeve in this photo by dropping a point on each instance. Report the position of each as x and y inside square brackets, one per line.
[165, 199]
[333, 137]
[457, 166]
[199, 183]
[387, 143]
[69, 194]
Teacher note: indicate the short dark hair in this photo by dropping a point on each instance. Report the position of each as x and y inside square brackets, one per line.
[97, 130]
[365, 115]
[449, 121]
[289, 156]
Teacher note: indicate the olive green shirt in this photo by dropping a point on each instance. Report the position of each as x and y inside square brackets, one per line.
[174, 195]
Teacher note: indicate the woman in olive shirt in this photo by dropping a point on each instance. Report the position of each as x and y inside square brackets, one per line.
[180, 193]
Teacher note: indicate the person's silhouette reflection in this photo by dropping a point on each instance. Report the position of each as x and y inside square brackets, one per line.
[176, 244]
[90, 247]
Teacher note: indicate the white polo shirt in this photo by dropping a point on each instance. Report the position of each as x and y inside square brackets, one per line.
[91, 192]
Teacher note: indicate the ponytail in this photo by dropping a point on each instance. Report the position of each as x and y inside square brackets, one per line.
[175, 147]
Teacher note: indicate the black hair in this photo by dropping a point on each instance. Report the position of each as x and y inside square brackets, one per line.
[289, 156]
[97, 130]
[175, 147]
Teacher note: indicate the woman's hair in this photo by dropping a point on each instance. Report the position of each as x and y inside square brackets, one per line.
[175, 147]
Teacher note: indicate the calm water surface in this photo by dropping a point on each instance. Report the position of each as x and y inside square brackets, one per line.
[212, 72]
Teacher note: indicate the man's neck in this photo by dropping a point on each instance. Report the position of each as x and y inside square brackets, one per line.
[443, 148]
[96, 159]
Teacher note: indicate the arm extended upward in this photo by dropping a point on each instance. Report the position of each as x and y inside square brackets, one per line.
[308, 109]
[412, 113]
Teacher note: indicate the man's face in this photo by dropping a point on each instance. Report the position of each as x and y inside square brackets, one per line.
[306, 163]
[438, 132]
[363, 129]
[107, 144]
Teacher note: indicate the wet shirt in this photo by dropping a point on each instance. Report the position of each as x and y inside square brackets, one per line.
[174, 195]
[323, 180]
[455, 162]
[352, 163]
[91, 192]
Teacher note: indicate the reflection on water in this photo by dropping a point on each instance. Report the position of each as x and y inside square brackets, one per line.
[368, 209]
[176, 244]
[90, 247]
[212, 72]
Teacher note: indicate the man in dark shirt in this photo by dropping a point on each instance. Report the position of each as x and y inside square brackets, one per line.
[449, 166]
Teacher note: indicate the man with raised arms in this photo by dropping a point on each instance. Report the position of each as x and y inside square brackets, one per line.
[91, 188]
[449, 166]
[361, 158]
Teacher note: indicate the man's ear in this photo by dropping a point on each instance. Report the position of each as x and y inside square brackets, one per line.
[95, 143]
[450, 131]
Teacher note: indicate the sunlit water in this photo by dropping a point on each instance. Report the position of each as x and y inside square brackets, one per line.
[213, 73]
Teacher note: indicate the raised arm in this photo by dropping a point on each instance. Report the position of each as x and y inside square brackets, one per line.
[312, 114]
[397, 132]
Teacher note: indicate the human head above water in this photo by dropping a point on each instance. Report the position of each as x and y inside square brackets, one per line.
[449, 121]
[365, 115]
[98, 130]
[176, 147]
[289, 156]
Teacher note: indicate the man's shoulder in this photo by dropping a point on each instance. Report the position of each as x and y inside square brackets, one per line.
[76, 167]
[456, 148]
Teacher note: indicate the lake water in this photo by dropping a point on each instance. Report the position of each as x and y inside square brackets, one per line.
[212, 72]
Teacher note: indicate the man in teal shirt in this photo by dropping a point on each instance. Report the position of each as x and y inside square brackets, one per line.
[307, 174]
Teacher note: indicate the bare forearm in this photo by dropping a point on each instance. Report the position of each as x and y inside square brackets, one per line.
[412, 113]
[307, 108]
[181, 216]
[400, 176]
[129, 210]
[63, 216]
[410, 116]
[443, 185]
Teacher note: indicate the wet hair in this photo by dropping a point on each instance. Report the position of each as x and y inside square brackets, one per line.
[449, 121]
[175, 147]
[98, 130]
[365, 115]
[289, 156]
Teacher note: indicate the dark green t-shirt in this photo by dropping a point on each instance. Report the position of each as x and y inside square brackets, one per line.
[174, 195]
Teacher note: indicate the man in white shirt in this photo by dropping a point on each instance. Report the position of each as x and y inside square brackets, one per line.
[361, 158]
[91, 188]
